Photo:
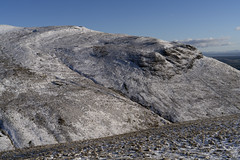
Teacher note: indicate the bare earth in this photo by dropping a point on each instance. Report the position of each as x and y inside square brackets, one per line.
[215, 138]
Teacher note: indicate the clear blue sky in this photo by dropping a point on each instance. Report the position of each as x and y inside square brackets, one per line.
[211, 25]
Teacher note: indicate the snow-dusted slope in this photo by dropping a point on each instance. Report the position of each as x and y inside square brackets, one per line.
[60, 83]
[42, 101]
[173, 79]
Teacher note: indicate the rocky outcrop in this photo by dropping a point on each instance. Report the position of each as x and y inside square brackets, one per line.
[70, 83]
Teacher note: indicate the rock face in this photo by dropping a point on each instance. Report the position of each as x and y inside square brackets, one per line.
[69, 83]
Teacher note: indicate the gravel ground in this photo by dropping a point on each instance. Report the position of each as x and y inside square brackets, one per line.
[216, 138]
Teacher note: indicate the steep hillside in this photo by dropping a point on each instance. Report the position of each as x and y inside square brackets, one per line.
[68, 83]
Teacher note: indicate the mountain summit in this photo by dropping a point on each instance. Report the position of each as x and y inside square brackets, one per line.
[68, 83]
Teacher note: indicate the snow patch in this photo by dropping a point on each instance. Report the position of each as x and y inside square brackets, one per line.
[29, 131]
[8, 28]
[5, 143]
[83, 29]
[2, 89]
[165, 43]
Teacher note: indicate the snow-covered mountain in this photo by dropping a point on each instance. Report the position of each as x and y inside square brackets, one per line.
[67, 83]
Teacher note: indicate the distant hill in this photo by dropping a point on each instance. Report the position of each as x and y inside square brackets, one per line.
[231, 53]
[231, 58]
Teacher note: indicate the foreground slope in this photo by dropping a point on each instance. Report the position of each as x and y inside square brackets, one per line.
[216, 138]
